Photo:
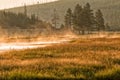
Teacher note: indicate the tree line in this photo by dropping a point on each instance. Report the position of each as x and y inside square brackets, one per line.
[82, 19]
[20, 20]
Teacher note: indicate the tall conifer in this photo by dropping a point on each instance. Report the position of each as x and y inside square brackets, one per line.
[99, 20]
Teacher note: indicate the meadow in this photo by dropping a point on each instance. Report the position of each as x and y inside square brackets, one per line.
[81, 58]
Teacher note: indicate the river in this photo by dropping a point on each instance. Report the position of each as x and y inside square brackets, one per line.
[26, 45]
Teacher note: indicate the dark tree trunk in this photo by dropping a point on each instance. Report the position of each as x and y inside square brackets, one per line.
[83, 32]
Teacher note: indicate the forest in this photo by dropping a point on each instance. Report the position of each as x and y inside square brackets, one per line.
[80, 20]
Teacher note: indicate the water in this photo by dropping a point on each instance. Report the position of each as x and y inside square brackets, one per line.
[26, 45]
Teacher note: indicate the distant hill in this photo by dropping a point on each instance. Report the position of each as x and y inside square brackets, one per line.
[110, 9]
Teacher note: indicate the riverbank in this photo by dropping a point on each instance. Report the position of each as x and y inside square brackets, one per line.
[19, 44]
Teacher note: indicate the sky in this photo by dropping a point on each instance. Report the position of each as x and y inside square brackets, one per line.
[15, 3]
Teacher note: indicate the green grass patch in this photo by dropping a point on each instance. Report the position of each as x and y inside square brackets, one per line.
[108, 74]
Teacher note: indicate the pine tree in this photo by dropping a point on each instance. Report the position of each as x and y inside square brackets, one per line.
[99, 20]
[55, 19]
[107, 27]
[87, 17]
[25, 10]
[68, 18]
[77, 18]
[33, 18]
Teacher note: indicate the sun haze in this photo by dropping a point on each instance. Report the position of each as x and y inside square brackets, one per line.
[15, 3]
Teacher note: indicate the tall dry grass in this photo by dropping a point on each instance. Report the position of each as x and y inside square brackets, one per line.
[85, 59]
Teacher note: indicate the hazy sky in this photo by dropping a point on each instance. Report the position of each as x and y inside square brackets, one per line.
[13, 3]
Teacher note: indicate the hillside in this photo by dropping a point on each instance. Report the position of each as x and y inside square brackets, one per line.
[110, 9]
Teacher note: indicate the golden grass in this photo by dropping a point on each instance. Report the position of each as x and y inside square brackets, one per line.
[80, 58]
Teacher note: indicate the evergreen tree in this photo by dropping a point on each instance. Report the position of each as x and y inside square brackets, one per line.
[99, 20]
[77, 18]
[33, 18]
[68, 18]
[55, 19]
[83, 19]
[107, 27]
[88, 17]
[25, 10]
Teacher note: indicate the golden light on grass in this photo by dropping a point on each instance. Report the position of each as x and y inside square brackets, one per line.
[86, 57]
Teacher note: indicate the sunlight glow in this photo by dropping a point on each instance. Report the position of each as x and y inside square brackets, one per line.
[26, 45]
[16, 46]
[16, 3]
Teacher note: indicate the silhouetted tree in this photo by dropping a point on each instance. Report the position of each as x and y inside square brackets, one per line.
[55, 19]
[99, 20]
[68, 18]
[33, 18]
[77, 18]
[88, 17]
[107, 27]
[25, 10]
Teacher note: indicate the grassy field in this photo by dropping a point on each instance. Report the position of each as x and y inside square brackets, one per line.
[83, 59]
